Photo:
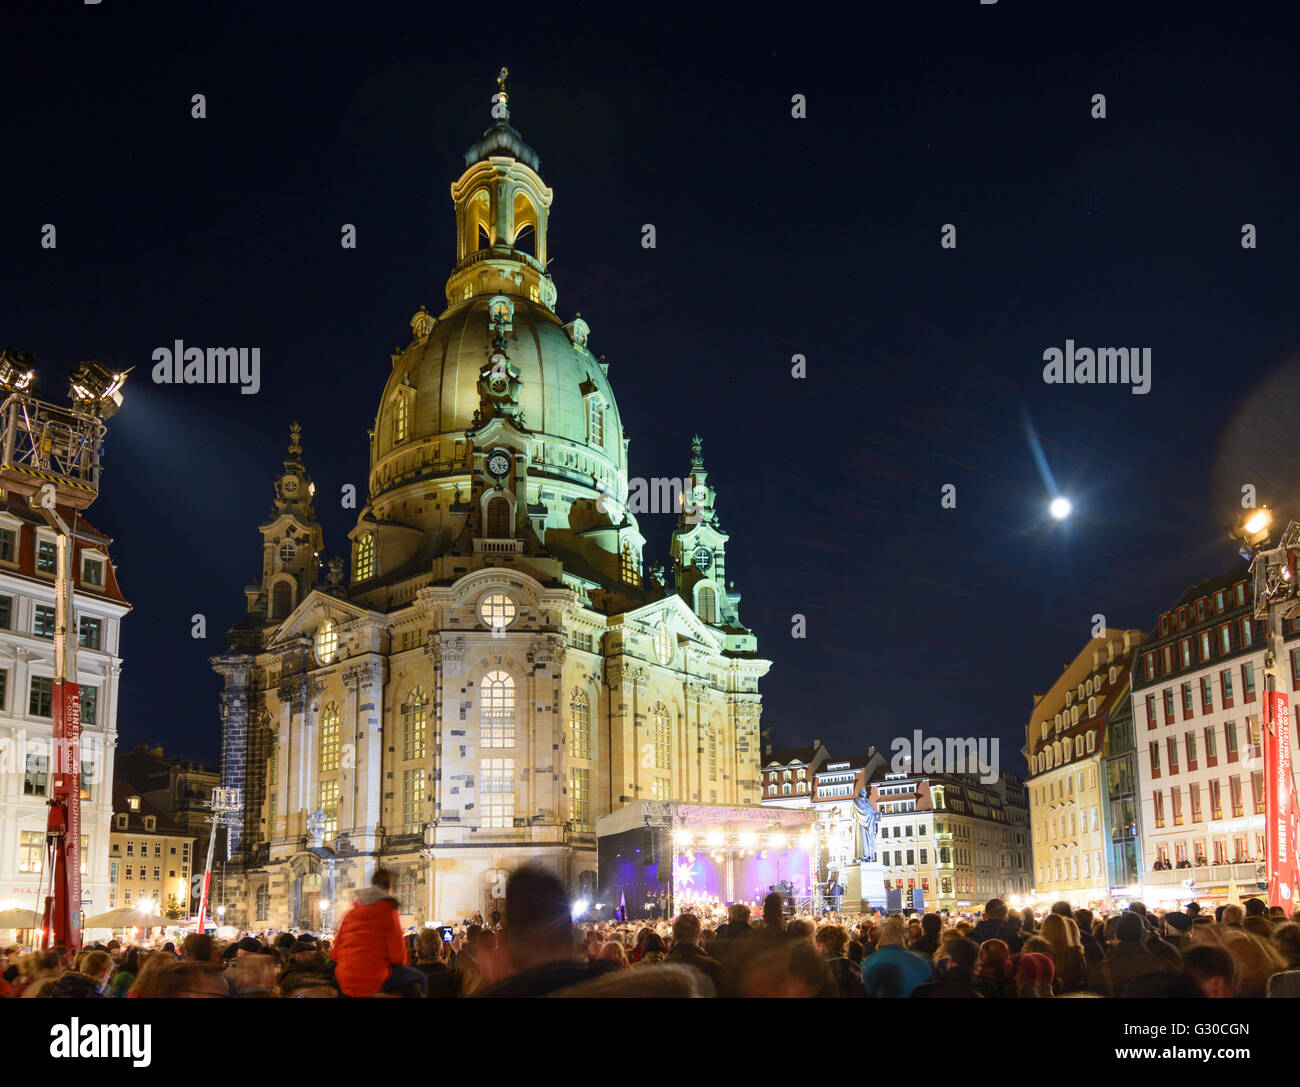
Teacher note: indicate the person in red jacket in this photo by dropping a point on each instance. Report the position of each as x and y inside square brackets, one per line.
[369, 950]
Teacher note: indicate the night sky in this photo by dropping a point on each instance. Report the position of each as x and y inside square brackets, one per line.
[776, 236]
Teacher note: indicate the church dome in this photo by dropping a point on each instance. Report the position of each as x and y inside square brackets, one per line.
[433, 391]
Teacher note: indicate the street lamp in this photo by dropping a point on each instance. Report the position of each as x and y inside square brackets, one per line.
[1276, 599]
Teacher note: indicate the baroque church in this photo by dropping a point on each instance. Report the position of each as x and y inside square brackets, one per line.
[493, 670]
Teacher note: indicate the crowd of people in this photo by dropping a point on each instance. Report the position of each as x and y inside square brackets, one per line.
[537, 950]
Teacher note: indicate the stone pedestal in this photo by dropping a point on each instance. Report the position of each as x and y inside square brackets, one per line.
[864, 888]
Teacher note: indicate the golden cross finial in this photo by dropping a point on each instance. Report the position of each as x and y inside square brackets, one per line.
[501, 82]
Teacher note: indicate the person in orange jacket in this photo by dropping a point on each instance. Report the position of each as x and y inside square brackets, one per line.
[369, 951]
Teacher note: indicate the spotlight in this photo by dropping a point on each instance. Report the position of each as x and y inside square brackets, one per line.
[1060, 507]
[749, 839]
[16, 371]
[1252, 527]
[714, 837]
[98, 387]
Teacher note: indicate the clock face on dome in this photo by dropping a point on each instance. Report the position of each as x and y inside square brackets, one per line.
[701, 494]
[498, 463]
[703, 558]
[290, 485]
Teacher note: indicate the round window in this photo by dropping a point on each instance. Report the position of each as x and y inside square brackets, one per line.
[497, 611]
[327, 642]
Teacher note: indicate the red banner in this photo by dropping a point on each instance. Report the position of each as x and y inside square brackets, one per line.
[67, 787]
[1283, 871]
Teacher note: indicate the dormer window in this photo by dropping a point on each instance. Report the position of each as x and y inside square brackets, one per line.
[595, 421]
[8, 545]
[92, 572]
[363, 565]
[150, 823]
[133, 802]
[121, 825]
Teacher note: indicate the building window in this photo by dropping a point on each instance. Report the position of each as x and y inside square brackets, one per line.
[580, 798]
[329, 738]
[46, 556]
[31, 851]
[1247, 632]
[415, 724]
[1158, 801]
[363, 564]
[497, 791]
[1205, 645]
[498, 520]
[41, 700]
[327, 641]
[1258, 792]
[659, 789]
[89, 704]
[90, 632]
[595, 422]
[8, 544]
[629, 566]
[92, 573]
[713, 755]
[6, 612]
[1225, 683]
[401, 418]
[413, 801]
[1234, 791]
[1151, 711]
[1169, 705]
[497, 710]
[1207, 695]
[43, 621]
[1230, 733]
[579, 725]
[661, 734]
[708, 605]
[263, 903]
[1194, 796]
[497, 611]
[272, 780]
[1248, 681]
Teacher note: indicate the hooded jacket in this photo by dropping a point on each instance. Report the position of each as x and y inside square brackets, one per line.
[369, 943]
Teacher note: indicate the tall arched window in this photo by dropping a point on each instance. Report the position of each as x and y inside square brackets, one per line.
[401, 418]
[497, 710]
[579, 725]
[713, 754]
[661, 733]
[630, 566]
[415, 716]
[329, 738]
[708, 610]
[281, 600]
[364, 566]
[498, 520]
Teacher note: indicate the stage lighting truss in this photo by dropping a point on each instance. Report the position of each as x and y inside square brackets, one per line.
[1274, 574]
[44, 443]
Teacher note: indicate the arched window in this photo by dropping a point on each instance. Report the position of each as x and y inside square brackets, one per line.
[415, 716]
[281, 600]
[661, 732]
[785, 789]
[497, 710]
[708, 609]
[401, 418]
[579, 725]
[771, 790]
[327, 641]
[263, 903]
[630, 566]
[329, 738]
[364, 565]
[498, 520]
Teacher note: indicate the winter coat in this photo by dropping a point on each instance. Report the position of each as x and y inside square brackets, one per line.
[997, 930]
[369, 943]
[76, 987]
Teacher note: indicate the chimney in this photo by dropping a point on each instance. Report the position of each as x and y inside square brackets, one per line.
[1128, 640]
[1096, 658]
[816, 744]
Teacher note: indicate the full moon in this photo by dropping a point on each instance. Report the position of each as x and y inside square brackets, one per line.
[1060, 508]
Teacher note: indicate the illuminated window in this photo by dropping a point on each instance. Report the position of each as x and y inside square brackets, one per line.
[497, 710]
[31, 850]
[46, 556]
[708, 610]
[580, 798]
[413, 801]
[595, 422]
[36, 779]
[630, 566]
[661, 733]
[659, 789]
[579, 725]
[401, 418]
[364, 565]
[713, 755]
[497, 611]
[327, 641]
[92, 573]
[329, 738]
[497, 793]
[415, 723]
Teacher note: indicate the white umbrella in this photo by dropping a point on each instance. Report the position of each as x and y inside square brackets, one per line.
[123, 917]
[20, 919]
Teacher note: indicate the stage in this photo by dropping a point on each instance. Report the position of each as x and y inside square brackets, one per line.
[657, 858]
